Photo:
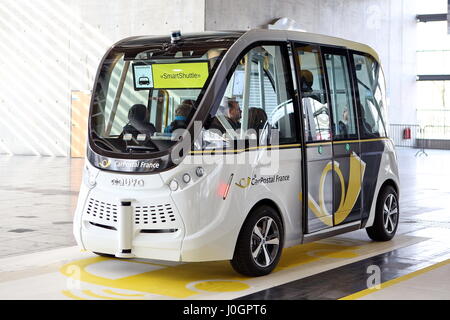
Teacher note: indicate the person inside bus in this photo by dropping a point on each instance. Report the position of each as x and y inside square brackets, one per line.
[343, 124]
[307, 81]
[312, 110]
[189, 102]
[138, 122]
[366, 127]
[257, 118]
[232, 115]
[182, 114]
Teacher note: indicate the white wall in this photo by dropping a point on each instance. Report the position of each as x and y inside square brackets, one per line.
[50, 47]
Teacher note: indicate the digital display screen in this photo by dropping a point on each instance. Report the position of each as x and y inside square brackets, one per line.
[143, 76]
[180, 75]
[170, 75]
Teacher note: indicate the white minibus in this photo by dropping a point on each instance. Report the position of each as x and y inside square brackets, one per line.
[235, 145]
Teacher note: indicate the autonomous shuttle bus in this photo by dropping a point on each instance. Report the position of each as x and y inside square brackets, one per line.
[235, 145]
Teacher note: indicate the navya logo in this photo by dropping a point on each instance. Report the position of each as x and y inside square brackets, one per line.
[104, 163]
[127, 182]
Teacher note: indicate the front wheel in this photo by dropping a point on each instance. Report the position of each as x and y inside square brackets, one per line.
[260, 242]
[386, 216]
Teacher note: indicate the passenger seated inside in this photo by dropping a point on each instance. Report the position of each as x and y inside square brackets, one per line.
[307, 81]
[182, 114]
[257, 118]
[232, 116]
[189, 102]
[366, 127]
[343, 124]
[138, 122]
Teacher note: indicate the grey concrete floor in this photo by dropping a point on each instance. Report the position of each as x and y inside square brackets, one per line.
[38, 198]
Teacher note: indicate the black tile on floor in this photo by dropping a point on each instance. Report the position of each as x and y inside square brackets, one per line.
[20, 230]
[346, 280]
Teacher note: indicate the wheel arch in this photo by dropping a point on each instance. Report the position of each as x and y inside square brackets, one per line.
[392, 183]
[387, 182]
[270, 203]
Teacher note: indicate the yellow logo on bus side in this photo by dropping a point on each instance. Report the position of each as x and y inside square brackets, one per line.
[348, 197]
[244, 183]
[180, 75]
[105, 163]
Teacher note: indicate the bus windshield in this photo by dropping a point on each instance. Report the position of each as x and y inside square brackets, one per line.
[142, 98]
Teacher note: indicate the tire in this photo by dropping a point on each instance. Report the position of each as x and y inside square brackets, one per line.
[387, 208]
[255, 238]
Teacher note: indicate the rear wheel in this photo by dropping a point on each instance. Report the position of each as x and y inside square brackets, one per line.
[386, 216]
[259, 245]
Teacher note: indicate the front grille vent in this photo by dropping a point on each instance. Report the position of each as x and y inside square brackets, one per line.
[102, 210]
[162, 213]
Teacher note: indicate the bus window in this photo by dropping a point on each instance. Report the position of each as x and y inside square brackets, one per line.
[344, 120]
[140, 103]
[372, 97]
[257, 97]
[315, 107]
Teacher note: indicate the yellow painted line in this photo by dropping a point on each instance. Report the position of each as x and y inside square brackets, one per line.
[354, 141]
[390, 283]
[69, 294]
[92, 294]
[108, 291]
[245, 149]
[282, 146]
[346, 141]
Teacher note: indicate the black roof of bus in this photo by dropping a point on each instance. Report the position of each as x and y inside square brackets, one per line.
[144, 41]
[220, 37]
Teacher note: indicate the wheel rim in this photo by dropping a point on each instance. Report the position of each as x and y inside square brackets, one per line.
[265, 242]
[390, 213]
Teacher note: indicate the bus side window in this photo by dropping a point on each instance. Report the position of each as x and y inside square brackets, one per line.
[372, 96]
[316, 113]
[257, 97]
[344, 120]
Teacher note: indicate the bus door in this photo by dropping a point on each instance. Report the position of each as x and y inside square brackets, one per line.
[348, 167]
[318, 200]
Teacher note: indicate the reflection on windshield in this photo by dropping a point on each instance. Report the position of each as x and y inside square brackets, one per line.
[139, 103]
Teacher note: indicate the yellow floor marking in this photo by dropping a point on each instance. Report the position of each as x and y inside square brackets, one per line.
[69, 294]
[92, 294]
[173, 281]
[389, 283]
[221, 286]
[108, 291]
[311, 252]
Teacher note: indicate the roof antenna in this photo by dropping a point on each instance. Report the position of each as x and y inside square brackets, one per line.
[285, 24]
[175, 36]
